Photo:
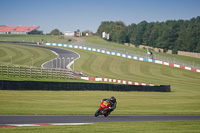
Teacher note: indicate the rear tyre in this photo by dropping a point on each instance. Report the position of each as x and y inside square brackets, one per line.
[107, 114]
[97, 113]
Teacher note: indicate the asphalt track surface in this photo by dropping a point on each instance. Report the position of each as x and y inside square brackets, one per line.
[35, 119]
[64, 56]
[57, 63]
[63, 60]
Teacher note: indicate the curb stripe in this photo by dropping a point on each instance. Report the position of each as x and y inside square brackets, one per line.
[114, 81]
[43, 124]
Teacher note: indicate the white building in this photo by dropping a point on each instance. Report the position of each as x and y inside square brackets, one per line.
[105, 35]
[69, 33]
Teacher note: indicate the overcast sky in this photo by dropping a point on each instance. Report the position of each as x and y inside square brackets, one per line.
[70, 15]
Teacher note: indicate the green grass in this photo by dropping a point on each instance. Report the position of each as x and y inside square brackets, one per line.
[10, 78]
[21, 55]
[99, 42]
[103, 65]
[114, 127]
[35, 38]
[87, 102]
[184, 98]
[42, 79]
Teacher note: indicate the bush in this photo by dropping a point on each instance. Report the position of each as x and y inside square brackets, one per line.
[174, 51]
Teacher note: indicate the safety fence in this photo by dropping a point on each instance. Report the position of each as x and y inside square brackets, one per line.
[77, 86]
[34, 72]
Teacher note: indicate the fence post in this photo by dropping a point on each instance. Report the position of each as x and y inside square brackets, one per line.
[8, 71]
[56, 73]
[19, 71]
[47, 73]
[25, 71]
[31, 72]
[41, 72]
[36, 72]
[51, 73]
[64, 74]
[60, 74]
[14, 71]
[1, 70]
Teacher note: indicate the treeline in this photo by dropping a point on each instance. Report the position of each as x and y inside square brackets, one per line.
[175, 35]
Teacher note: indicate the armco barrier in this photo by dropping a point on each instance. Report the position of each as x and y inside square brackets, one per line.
[72, 86]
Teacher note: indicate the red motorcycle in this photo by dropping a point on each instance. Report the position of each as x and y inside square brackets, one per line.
[104, 109]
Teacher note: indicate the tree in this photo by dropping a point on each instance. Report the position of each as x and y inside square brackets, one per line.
[147, 33]
[55, 32]
[130, 33]
[141, 27]
[172, 35]
[123, 38]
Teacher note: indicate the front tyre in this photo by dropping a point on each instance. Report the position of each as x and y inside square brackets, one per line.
[97, 113]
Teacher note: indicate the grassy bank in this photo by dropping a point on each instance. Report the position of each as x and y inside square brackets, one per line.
[100, 43]
[183, 99]
[87, 102]
[36, 38]
[11, 54]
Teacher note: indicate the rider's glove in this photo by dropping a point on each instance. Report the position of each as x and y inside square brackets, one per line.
[110, 107]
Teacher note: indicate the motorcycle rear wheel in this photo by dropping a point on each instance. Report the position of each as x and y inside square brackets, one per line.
[97, 113]
[107, 114]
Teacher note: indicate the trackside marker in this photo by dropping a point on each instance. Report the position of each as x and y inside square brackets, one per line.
[44, 124]
[70, 123]
[114, 81]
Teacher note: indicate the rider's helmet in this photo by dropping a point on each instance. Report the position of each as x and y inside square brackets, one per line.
[113, 99]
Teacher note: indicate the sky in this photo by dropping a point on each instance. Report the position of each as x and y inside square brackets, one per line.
[70, 15]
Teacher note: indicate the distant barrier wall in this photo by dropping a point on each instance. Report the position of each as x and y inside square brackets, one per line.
[73, 86]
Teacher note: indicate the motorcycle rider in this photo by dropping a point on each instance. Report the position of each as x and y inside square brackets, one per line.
[112, 101]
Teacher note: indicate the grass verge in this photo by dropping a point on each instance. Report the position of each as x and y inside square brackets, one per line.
[184, 98]
[116, 127]
[36, 38]
[95, 41]
[87, 102]
[11, 54]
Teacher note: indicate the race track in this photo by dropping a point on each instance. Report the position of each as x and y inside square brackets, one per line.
[45, 119]
[64, 57]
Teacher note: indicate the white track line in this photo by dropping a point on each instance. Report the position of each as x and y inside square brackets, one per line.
[51, 59]
[43, 124]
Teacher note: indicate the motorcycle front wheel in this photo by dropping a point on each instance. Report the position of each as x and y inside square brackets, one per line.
[97, 113]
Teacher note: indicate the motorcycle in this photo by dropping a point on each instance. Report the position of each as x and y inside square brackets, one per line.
[104, 109]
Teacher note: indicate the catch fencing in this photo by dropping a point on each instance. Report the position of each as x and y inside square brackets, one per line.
[35, 72]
